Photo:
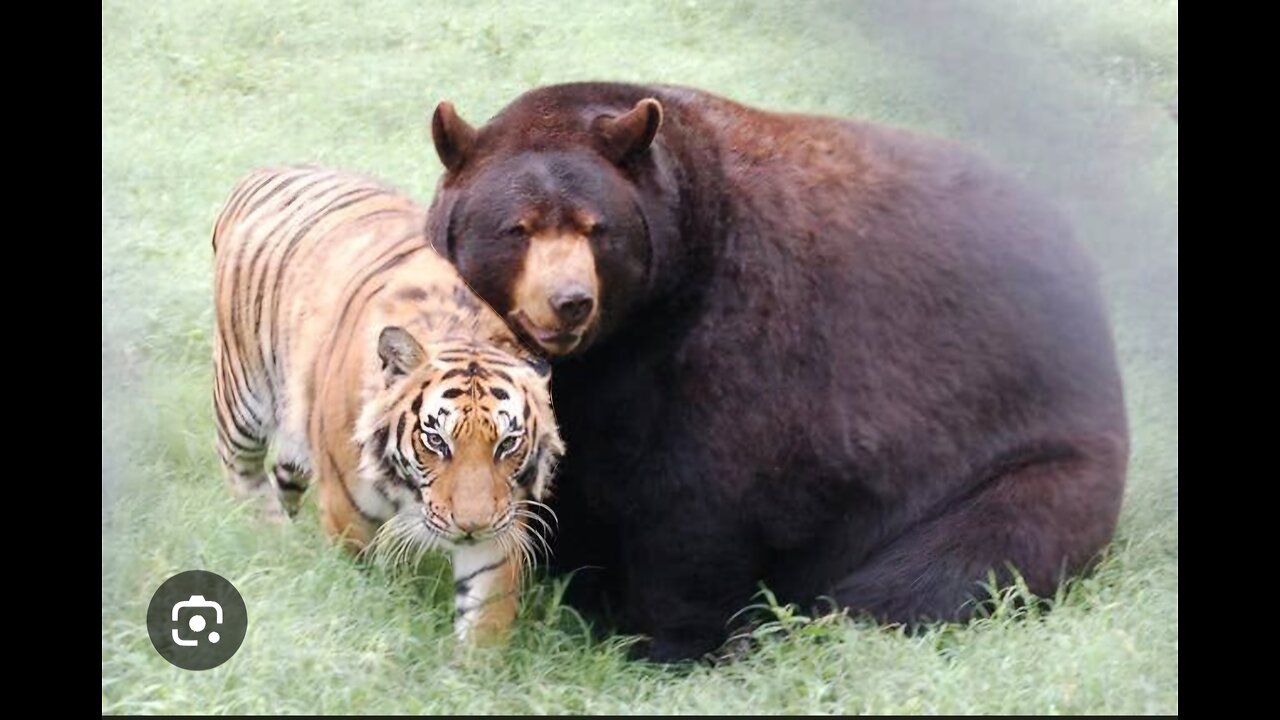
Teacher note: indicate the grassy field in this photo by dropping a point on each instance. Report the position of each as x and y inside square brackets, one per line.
[1068, 93]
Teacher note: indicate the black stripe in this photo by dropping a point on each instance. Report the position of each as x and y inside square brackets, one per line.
[391, 262]
[222, 455]
[227, 439]
[231, 399]
[352, 291]
[229, 352]
[233, 313]
[267, 244]
[238, 371]
[220, 413]
[238, 409]
[303, 173]
[326, 208]
[347, 492]
[389, 471]
[359, 281]
[463, 581]
[380, 486]
[529, 473]
[231, 210]
[247, 377]
[256, 308]
[251, 186]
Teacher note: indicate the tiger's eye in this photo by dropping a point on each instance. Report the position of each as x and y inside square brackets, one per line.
[507, 445]
[435, 442]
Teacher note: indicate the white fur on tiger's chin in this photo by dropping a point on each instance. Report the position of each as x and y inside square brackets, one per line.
[404, 540]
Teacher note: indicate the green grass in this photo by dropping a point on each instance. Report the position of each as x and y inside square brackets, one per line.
[195, 93]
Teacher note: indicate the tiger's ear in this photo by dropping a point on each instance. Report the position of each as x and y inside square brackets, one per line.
[624, 136]
[453, 136]
[400, 353]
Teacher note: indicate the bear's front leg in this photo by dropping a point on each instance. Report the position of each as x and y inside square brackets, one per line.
[687, 574]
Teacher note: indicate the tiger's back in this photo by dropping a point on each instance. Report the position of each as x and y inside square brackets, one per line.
[345, 343]
[287, 246]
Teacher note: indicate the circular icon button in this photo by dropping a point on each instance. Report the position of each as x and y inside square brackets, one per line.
[197, 620]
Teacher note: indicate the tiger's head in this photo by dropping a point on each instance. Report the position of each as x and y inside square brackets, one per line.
[460, 440]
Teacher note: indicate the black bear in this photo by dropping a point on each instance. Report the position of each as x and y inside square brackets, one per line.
[840, 359]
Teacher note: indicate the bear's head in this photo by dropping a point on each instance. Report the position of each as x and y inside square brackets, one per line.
[549, 210]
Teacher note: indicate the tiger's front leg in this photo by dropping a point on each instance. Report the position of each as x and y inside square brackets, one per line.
[486, 584]
[342, 520]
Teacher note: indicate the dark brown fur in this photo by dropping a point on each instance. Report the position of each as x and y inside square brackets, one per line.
[839, 358]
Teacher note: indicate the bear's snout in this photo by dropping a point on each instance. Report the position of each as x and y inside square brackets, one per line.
[573, 306]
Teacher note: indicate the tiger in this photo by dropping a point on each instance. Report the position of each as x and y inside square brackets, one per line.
[360, 358]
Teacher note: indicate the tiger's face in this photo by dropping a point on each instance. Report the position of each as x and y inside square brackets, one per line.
[465, 443]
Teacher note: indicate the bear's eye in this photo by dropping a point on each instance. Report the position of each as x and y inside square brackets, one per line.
[517, 230]
[507, 446]
[597, 230]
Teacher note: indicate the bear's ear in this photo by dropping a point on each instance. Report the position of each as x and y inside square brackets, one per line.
[625, 136]
[454, 138]
[400, 353]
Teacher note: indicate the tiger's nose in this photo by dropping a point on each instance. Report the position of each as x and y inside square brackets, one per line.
[572, 306]
[469, 526]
